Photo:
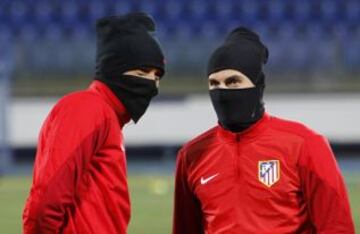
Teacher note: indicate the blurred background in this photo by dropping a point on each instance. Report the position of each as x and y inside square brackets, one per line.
[47, 49]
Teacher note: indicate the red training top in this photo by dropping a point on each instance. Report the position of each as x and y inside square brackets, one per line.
[277, 177]
[79, 179]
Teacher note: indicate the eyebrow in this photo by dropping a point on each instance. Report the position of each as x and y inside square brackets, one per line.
[233, 77]
[145, 69]
[148, 69]
[213, 80]
[227, 78]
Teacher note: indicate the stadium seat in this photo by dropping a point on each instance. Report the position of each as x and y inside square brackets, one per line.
[53, 32]
[314, 32]
[121, 7]
[6, 34]
[28, 33]
[183, 31]
[80, 31]
[301, 11]
[68, 12]
[277, 11]
[96, 10]
[209, 30]
[223, 10]
[18, 11]
[173, 10]
[151, 7]
[249, 11]
[352, 9]
[351, 52]
[276, 55]
[42, 12]
[329, 11]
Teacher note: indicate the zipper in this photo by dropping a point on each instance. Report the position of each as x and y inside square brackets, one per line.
[238, 174]
[238, 157]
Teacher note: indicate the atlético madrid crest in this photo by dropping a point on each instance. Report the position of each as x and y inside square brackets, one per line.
[269, 172]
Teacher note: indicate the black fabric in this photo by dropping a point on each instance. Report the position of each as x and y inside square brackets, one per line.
[126, 42]
[135, 93]
[238, 109]
[242, 51]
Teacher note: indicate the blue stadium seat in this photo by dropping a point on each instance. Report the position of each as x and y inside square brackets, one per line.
[18, 12]
[53, 32]
[302, 11]
[352, 9]
[277, 11]
[277, 55]
[150, 7]
[3, 5]
[224, 10]
[329, 10]
[229, 25]
[173, 10]
[121, 7]
[81, 31]
[287, 31]
[315, 32]
[264, 30]
[162, 31]
[183, 31]
[68, 12]
[209, 30]
[288, 50]
[340, 31]
[28, 33]
[351, 52]
[96, 9]
[323, 54]
[6, 34]
[300, 51]
[249, 11]
[198, 9]
[42, 12]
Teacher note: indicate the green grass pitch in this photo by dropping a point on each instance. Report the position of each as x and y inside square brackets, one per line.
[151, 198]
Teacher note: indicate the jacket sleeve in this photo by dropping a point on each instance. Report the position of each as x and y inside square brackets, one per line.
[71, 138]
[324, 189]
[187, 217]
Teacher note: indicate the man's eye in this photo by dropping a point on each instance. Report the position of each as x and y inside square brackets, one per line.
[141, 73]
[233, 82]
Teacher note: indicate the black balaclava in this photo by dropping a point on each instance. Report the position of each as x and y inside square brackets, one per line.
[238, 109]
[124, 43]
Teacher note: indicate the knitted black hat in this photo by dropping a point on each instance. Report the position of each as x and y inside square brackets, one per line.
[126, 42]
[242, 51]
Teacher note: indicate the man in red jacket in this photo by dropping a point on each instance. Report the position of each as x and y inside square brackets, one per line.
[80, 178]
[255, 173]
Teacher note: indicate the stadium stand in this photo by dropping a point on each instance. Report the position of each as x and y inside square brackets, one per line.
[302, 34]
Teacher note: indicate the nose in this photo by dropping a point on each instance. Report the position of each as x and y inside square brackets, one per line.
[222, 85]
[153, 75]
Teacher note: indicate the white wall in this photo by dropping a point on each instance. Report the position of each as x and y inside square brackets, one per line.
[335, 115]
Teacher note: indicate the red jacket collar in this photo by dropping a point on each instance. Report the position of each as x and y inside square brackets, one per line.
[249, 133]
[101, 89]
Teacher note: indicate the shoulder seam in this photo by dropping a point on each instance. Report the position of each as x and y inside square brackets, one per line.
[306, 132]
[198, 138]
